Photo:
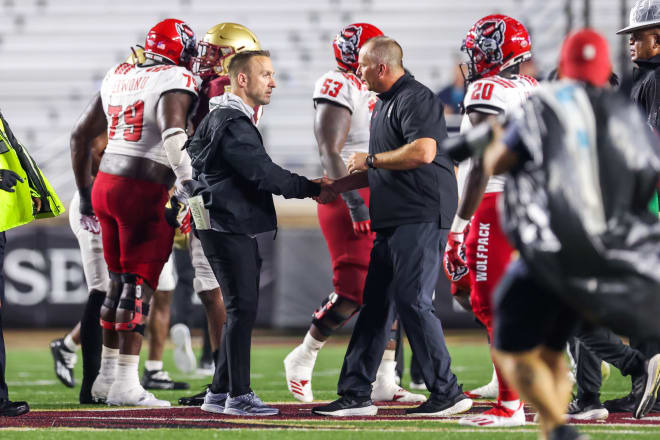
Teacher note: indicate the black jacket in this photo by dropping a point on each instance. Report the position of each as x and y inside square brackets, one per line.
[645, 90]
[236, 177]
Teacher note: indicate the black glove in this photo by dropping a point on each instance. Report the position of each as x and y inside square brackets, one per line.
[173, 212]
[8, 180]
[86, 201]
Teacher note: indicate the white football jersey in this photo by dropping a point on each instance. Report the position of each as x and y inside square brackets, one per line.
[347, 90]
[492, 95]
[130, 96]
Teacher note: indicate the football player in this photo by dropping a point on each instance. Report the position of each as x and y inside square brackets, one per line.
[145, 108]
[87, 332]
[341, 126]
[495, 46]
[214, 52]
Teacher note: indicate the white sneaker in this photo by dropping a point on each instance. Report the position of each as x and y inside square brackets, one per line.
[120, 395]
[100, 388]
[496, 417]
[298, 367]
[488, 391]
[184, 358]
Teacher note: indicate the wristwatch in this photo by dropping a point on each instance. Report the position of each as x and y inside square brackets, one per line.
[370, 161]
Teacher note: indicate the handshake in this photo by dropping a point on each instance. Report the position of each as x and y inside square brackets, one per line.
[328, 192]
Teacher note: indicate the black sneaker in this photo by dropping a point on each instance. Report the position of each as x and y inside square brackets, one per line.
[436, 407]
[13, 409]
[580, 409]
[644, 404]
[622, 404]
[195, 400]
[160, 380]
[64, 360]
[347, 406]
[565, 432]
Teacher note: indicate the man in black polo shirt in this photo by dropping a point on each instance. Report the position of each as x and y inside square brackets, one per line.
[413, 200]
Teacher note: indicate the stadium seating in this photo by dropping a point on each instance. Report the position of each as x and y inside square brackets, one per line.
[55, 53]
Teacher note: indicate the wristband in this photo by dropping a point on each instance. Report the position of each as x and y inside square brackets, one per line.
[459, 224]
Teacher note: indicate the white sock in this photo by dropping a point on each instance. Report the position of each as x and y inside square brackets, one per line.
[127, 369]
[109, 359]
[513, 405]
[70, 344]
[312, 345]
[387, 367]
[153, 365]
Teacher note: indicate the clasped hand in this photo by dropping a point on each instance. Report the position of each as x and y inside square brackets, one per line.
[357, 162]
[328, 194]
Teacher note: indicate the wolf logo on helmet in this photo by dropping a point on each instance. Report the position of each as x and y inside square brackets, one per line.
[493, 44]
[348, 42]
[491, 37]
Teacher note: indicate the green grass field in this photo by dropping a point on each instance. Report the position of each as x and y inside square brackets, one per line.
[30, 377]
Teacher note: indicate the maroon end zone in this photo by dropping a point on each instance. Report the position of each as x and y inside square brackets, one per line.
[193, 417]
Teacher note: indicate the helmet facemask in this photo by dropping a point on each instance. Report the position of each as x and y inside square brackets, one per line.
[211, 59]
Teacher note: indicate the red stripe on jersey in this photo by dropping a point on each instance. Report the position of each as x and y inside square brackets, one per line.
[532, 81]
[502, 81]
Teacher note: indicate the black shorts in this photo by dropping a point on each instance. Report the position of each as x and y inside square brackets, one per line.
[528, 315]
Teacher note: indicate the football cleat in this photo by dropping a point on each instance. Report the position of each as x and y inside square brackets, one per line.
[101, 387]
[298, 367]
[120, 395]
[184, 358]
[194, 400]
[650, 393]
[65, 360]
[488, 391]
[385, 389]
[497, 417]
[160, 380]
[418, 386]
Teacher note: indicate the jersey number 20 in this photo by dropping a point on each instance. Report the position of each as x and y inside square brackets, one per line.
[484, 93]
[132, 119]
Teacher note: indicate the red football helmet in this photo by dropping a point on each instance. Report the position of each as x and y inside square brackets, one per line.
[171, 40]
[495, 43]
[348, 42]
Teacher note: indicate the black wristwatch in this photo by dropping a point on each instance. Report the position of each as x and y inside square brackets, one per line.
[370, 161]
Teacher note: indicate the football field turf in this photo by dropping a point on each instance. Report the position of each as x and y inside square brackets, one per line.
[56, 414]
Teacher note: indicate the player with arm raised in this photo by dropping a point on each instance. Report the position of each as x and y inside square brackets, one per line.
[495, 45]
[341, 125]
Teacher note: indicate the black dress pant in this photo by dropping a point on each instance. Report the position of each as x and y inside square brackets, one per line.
[236, 264]
[3, 384]
[403, 272]
[593, 344]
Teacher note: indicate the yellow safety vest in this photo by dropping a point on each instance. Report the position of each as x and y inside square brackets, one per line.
[16, 207]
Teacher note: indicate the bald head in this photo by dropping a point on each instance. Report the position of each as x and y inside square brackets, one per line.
[380, 63]
[385, 50]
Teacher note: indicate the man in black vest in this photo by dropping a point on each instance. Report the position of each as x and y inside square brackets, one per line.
[233, 201]
[413, 201]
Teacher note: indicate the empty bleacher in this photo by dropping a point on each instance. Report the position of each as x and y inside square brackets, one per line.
[55, 52]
